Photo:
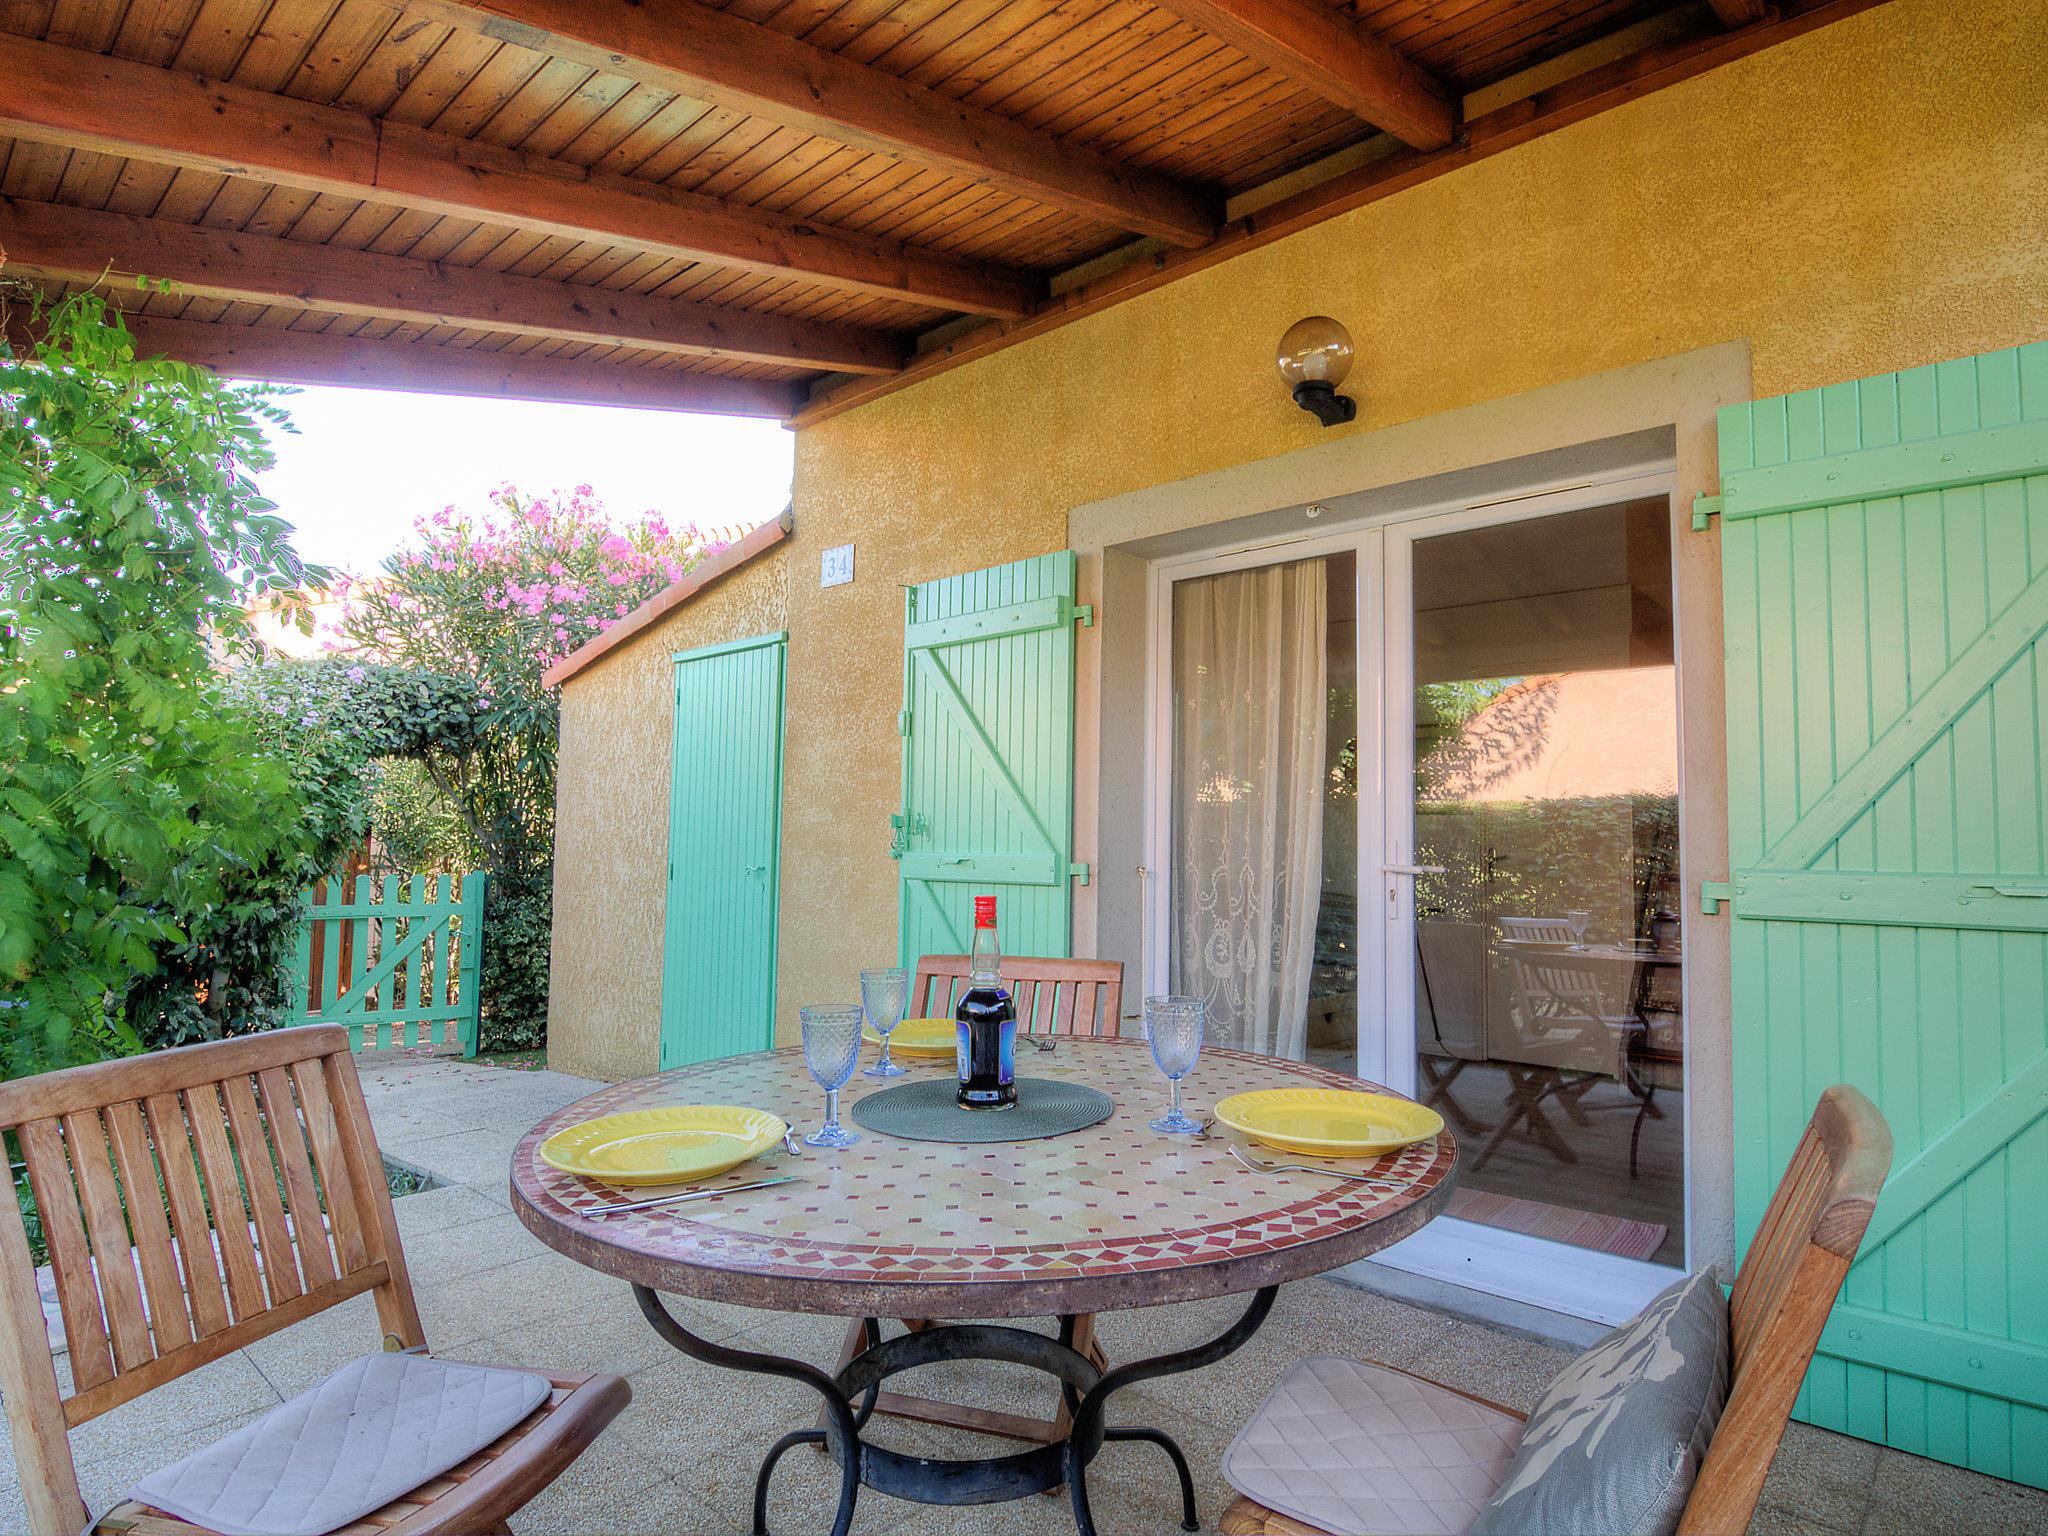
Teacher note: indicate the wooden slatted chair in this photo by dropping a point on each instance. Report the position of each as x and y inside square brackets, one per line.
[1053, 997]
[182, 1197]
[1789, 1279]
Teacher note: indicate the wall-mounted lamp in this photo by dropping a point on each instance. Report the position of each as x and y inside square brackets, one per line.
[1315, 357]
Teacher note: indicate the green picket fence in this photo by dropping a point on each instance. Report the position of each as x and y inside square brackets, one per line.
[397, 959]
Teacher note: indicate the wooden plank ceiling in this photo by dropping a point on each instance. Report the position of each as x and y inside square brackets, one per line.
[765, 207]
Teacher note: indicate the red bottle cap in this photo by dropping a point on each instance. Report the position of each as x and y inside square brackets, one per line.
[984, 911]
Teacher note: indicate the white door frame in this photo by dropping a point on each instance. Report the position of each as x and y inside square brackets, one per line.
[1578, 1281]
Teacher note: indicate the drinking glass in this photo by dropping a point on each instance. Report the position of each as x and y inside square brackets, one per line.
[1173, 1025]
[883, 994]
[831, 1047]
[1579, 919]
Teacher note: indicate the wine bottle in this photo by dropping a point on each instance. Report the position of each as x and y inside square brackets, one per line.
[986, 1021]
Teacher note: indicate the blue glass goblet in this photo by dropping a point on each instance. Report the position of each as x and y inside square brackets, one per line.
[1173, 1026]
[831, 1048]
[883, 994]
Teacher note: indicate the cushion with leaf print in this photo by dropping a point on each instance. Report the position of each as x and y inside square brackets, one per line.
[1616, 1440]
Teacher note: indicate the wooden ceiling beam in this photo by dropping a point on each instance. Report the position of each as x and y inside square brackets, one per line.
[1336, 58]
[80, 100]
[1570, 101]
[1740, 13]
[309, 357]
[80, 244]
[711, 55]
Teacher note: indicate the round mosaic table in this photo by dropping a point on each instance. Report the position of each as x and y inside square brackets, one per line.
[1106, 1218]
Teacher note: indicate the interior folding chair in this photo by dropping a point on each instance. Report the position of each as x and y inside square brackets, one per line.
[1534, 930]
[1052, 997]
[1451, 965]
[1788, 1281]
[197, 1200]
[1568, 1038]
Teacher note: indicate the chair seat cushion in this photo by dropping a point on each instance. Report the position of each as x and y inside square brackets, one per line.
[1355, 1449]
[1617, 1438]
[373, 1431]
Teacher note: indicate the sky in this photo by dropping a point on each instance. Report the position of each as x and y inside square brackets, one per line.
[365, 463]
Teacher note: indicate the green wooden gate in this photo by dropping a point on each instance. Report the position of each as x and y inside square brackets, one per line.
[1885, 567]
[724, 852]
[395, 958]
[988, 758]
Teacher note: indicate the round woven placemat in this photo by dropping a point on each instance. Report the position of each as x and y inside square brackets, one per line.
[930, 1111]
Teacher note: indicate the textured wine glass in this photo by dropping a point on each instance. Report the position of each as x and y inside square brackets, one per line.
[1173, 1025]
[1579, 920]
[883, 994]
[831, 1047]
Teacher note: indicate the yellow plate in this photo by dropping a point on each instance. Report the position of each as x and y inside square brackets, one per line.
[919, 1037]
[663, 1146]
[1329, 1122]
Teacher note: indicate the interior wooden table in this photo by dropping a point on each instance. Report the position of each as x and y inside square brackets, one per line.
[1107, 1218]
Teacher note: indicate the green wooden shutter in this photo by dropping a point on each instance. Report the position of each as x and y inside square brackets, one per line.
[725, 817]
[1885, 567]
[988, 758]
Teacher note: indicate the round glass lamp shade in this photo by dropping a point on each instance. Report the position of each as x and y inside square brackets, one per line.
[1315, 351]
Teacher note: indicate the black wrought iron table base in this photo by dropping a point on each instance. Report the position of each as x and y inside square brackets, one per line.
[850, 1397]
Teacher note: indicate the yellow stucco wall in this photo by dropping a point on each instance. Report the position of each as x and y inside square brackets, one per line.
[1871, 196]
[611, 825]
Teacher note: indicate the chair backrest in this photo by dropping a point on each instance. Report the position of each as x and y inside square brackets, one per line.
[1534, 930]
[1795, 1266]
[192, 1201]
[1053, 997]
[1450, 987]
[1555, 979]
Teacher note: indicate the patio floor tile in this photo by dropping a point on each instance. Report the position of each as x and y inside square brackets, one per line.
[1821, 1478]
[634, 1494]
[482, 1157]
[681, 1458]
[1911, 1495]
[455, 1252]
[1496, 1366]
[438, 1210]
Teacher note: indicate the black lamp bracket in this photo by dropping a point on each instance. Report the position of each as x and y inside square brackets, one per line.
[1321, 400]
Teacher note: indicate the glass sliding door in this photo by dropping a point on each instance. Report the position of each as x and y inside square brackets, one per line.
[1548, 1001]
[1261, 918]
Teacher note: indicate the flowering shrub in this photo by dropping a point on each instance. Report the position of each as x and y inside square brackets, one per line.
[129, 805]
[498, 597]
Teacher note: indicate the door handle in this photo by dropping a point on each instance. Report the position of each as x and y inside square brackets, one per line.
[1413, 869]
[757, 869]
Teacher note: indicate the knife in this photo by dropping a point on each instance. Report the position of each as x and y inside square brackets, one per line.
[693, 1194]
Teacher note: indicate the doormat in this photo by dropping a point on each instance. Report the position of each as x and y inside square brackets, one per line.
[1560, 1223]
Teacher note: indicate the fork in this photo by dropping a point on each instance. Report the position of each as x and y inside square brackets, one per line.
[1336, 1173]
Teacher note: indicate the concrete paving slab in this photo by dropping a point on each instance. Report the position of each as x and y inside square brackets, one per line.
[1501, 1368]
[492, 1300]
[1911, 1494]
[681, 1459]
[438, 1210]
[634, 1494]
[1821, 1478]
[489, 1243]
[479, 1158]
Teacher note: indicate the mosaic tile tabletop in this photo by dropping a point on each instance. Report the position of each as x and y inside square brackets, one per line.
[1112, 1216]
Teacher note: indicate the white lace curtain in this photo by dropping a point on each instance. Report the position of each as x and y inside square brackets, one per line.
[1250, 728]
